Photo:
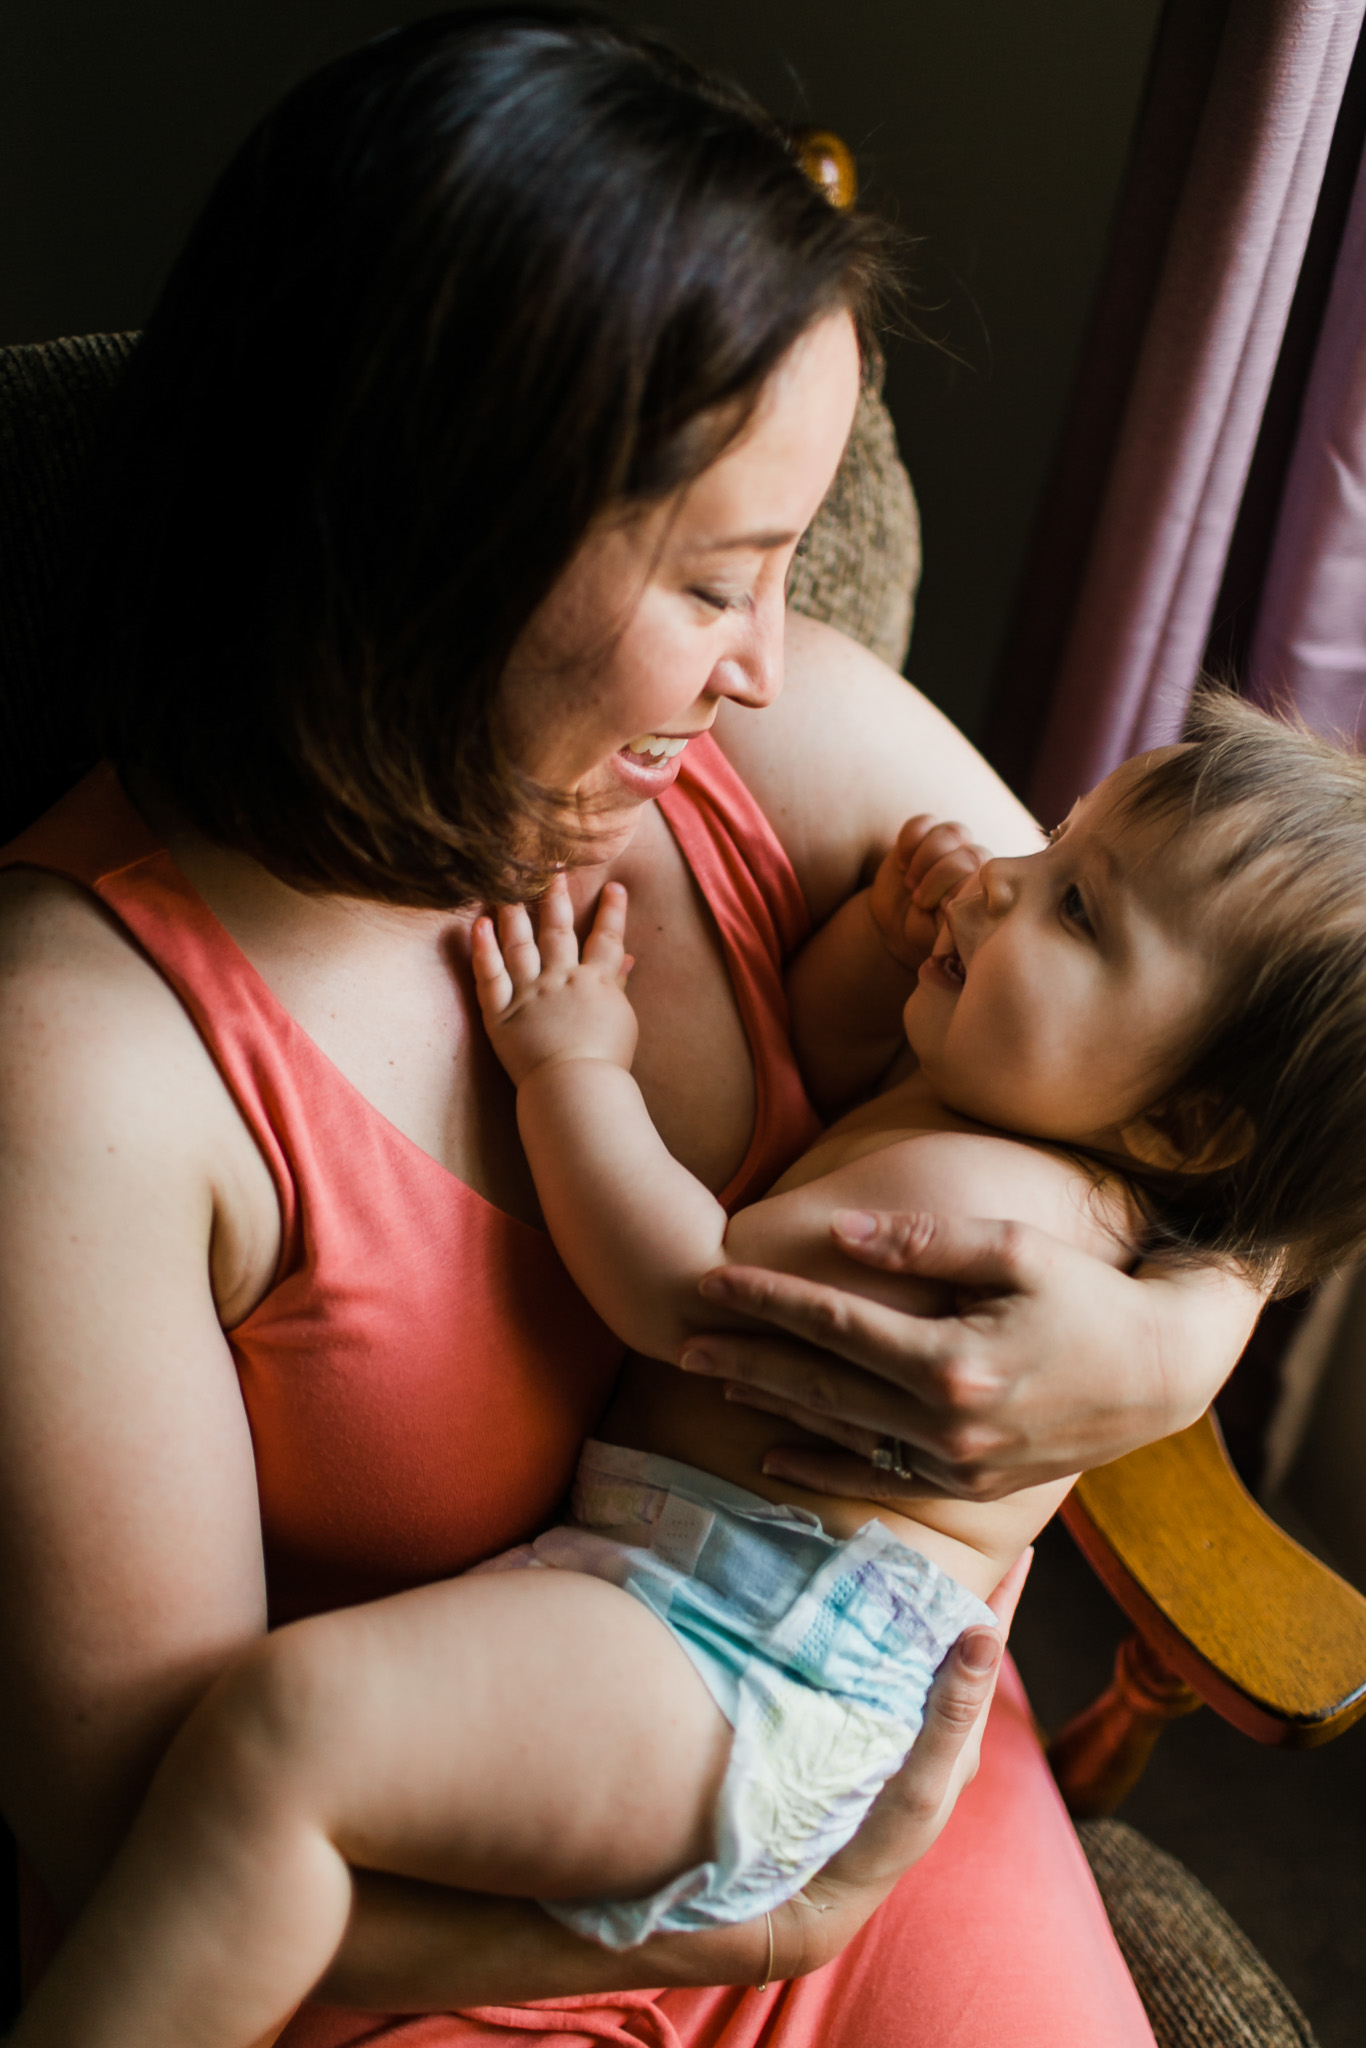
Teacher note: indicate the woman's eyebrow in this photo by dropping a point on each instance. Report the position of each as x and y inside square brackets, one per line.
[760, 542]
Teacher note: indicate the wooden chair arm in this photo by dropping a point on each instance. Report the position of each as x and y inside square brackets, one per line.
[1266, 1634]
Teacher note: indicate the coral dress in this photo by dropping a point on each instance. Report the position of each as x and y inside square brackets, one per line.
[418, 1381]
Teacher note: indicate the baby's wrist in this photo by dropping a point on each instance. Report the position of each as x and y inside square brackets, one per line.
[559, 1063]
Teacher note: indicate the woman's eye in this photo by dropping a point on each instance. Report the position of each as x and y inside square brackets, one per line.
[717, 599]
[1074, 909]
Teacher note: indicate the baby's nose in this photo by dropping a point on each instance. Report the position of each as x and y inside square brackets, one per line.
[995, 880]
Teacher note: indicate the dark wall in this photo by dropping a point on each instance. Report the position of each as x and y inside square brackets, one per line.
[993, 130]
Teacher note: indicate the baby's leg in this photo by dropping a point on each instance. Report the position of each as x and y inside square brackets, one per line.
[535, 1733]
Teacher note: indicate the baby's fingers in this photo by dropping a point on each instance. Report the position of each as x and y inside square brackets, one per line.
[946, 875]
[518, 941]
[923, 841]
[492, 982]
[558, 943]
[604, 947]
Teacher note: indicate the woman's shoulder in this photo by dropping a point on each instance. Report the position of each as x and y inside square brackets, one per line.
[63, 957]
[91, 1037]
[111, 1108]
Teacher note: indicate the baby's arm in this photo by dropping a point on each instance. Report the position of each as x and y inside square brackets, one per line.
[636, 1229]
[849, 984]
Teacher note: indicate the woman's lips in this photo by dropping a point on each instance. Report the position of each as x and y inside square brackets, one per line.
[644, 773]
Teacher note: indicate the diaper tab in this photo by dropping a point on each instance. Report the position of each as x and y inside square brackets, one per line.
[681, 1531]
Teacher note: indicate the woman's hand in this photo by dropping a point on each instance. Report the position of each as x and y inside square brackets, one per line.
[913, 1808]
[1050, 1362]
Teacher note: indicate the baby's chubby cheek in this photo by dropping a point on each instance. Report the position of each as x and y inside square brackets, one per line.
[917, 1022]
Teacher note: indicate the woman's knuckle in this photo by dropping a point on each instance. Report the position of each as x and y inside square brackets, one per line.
[957, 1715]
[969, 1388]
[822, 1393]
[1016, 1244]
[826, 1316]
[906, 1234]
[922, 1810]
[961, 1440]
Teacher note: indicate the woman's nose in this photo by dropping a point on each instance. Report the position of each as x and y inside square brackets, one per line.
[753, 673]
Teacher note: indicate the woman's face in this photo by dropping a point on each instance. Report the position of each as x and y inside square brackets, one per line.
[664, 614]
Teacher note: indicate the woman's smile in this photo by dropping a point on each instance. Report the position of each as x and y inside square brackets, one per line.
[647, 766]
[674, 608]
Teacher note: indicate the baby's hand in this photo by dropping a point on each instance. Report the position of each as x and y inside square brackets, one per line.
[542, 1003]
[930, 862]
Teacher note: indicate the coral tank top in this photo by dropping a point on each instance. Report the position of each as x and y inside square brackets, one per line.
[418, 1380]
[422, 1371]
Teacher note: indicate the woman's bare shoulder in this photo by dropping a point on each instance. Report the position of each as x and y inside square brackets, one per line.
[847, 752]
[80, 1007]
[106, 1087]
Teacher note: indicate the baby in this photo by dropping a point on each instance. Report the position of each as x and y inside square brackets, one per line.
[1150, 1035]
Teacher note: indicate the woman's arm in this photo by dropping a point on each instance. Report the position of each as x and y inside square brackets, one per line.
[130, 1552]
[1054, 1362]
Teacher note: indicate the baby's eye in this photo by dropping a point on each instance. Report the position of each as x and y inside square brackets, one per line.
[1074, 909]
[717, 599]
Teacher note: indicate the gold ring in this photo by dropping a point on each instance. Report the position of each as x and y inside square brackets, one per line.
[894, 1456]
[768, 1971]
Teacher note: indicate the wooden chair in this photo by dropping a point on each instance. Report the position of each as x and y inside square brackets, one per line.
[1227, 1608]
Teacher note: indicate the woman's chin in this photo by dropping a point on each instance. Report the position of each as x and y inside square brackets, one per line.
[607, 808]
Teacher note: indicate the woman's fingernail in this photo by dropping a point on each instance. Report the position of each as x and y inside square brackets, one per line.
[698, 1358]
[978, 1652]
[715, 1286]
[858, 1225]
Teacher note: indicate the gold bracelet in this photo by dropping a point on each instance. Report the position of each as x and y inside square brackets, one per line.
[768, 1971]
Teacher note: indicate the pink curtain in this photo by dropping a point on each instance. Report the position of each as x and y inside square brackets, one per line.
[1167, 511]
[1309, 645]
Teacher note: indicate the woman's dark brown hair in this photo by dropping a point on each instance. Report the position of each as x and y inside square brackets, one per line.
[1279, 1084]
[461, 292]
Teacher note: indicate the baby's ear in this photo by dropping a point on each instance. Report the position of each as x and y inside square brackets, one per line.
[1198, 1133]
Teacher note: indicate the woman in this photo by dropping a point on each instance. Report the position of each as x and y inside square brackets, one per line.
[461, 467]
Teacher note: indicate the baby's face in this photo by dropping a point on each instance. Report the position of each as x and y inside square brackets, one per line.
[1066, 992]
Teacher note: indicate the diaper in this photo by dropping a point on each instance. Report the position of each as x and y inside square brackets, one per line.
[818, 1652]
